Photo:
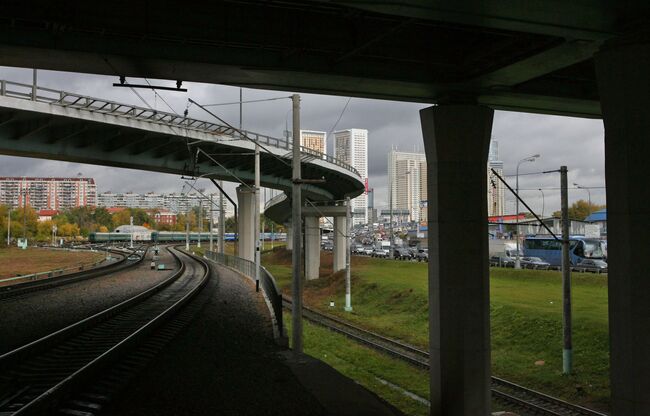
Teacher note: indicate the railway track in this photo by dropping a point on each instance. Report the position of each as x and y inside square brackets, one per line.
[20, 289]
[522, 399]
[77, 369]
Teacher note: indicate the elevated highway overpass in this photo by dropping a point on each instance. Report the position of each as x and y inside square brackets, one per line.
[67, 126]
[575, 58]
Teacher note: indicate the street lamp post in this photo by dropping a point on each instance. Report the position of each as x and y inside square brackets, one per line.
[542, 191]
[588, 193]
[527, 159]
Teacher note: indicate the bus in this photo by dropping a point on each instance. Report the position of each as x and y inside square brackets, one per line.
[550, 250]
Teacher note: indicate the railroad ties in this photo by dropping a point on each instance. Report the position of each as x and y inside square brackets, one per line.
[75, 370]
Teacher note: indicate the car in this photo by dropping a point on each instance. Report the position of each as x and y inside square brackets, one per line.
[368, 251]
[591, 265]
[133, 257]
[534, 263]
[423, 254]
[401, 254]
[380, 252]
[502, 261]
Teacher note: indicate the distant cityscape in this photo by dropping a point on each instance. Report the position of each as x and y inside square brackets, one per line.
[407, 186]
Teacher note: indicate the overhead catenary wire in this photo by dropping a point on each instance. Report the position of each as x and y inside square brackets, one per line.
[247, 101]
[161, 97]
[241, 132]
[345, 107]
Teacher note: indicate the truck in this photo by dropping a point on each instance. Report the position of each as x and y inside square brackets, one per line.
[503, 252]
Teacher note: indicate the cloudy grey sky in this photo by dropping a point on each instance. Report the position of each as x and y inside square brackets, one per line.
[577, 143]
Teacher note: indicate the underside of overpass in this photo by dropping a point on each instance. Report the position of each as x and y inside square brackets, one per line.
[577, 58]
[517, 55]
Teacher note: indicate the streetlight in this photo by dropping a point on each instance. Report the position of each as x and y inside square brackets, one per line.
[588, 192]
[526, 159]
[393, 177]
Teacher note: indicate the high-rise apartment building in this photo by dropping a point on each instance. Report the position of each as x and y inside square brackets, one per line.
[407, 178]
[48, 193]
[314, 140]
[351, 147]
[173, 202]
[496, 199]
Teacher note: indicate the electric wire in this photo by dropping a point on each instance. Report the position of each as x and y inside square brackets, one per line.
[345, 107]
[246, 102]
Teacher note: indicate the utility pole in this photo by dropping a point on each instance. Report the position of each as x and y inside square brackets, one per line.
[567, 352]
[34, 85]
[296, 218]
[257, 218]
[392, 253]
[24, 213]
[348, 237]
[198, 244]
[187, 231]
[222, 221]
[211, 224]
[9, 226]
[131, 239]
[241, 113]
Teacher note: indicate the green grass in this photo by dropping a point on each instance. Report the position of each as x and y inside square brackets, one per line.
[367, 367]
[526, 319]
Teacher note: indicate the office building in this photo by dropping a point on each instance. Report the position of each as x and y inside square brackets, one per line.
[48, 193]
[407, 178]
[351, 147]
[495, 189]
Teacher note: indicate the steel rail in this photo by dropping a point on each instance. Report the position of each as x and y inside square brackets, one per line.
[110, 347]
[538, 403]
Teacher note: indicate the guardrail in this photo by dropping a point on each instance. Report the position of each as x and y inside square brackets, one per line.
[247, 268]
[102, 106]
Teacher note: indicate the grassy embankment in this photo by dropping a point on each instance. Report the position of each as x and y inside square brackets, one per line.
[230, 247]
[526, 309]
[15, 261]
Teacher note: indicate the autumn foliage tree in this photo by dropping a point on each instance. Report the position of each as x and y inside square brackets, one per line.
[580, 210]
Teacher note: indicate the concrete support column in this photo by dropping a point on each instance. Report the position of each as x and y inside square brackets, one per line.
[312, 247]
[622, 70]
[246, 203]
[289, 236]
[340, 231]
[456, 141]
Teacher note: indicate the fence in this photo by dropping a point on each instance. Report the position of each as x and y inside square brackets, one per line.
[267, 281]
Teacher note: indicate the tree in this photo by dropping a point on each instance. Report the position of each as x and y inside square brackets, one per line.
[123, 217]
[230, 225]
[580, 210]
[102, 217]
[27, 216]
[68, 230]
[44, 232]
[4, 210]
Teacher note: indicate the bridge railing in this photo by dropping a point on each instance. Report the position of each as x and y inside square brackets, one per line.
[102, 106]
[275, 200]
[267, 282]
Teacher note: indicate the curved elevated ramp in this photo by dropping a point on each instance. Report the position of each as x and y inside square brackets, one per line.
[65, 126]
